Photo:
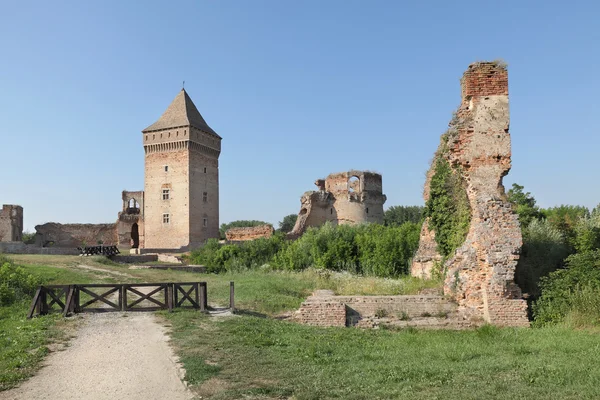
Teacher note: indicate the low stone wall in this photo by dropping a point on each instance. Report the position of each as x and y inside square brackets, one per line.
[249, 233]
[22, 248]
[169, 258]
[135, 259]
[413, 306]
[507, 312]
[325, 309]
[322, 313]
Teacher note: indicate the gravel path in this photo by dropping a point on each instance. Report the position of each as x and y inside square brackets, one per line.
[113, 356]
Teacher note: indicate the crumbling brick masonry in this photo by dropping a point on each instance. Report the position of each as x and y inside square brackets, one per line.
[480, 273]
[351, 197]
[11, 223]
[249, 233]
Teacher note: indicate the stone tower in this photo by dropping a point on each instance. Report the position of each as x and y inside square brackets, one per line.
[181, 186]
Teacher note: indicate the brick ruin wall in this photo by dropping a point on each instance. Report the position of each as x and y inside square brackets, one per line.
[75, 235]
[325, 309]
[249, 233]
[22, 248]
[351, 197]
[480, 274]
[130, 220]
[11, 223]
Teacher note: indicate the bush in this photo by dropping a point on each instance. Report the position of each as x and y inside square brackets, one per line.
[544, 250]
[15, 283]
[571, 294]
[372, 249]
[387, 251]
[230, 257]
[448, 207]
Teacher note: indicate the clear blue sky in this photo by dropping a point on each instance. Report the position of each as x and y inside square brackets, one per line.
[297, 90]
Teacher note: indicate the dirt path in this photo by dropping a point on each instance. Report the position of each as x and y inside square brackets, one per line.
[114, 356]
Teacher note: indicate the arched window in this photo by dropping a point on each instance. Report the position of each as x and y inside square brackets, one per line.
[354, 184]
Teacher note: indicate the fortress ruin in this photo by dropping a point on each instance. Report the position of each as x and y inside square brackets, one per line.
[351, 197]
[479, 274]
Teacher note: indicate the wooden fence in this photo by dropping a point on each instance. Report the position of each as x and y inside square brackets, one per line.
[107, 297]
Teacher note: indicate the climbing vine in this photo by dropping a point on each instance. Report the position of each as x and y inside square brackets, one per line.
[448, 207]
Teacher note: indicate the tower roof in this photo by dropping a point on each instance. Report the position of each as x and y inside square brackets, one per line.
[181, 112]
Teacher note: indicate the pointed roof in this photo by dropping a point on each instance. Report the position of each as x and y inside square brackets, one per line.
[181, 112]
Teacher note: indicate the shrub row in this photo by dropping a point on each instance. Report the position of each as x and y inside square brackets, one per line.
[372, 249]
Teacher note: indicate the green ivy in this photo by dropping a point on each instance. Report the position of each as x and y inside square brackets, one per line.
[448, 207]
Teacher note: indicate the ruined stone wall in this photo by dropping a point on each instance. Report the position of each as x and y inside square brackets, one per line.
[480, 274]
[53, 234]
[11, 223]
[351, 197]
[130, 219]
[249, 233]
[22, 248]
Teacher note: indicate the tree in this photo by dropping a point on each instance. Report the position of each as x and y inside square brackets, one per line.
[544, 250]
[587, 233]
[524, 205]
[288, 223]
[28, 237]
[239, 224]
[398, 215]
[565, 218]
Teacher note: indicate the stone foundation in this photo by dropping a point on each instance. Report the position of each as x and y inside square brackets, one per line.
[323, 308]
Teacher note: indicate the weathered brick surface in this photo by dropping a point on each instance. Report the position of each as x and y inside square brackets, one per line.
[22, 248]
[324, 309]
[131, 219]
[351, 197]
[479, 144]
[75, 235]
[249, 233]
[11, 223]
[322, 313]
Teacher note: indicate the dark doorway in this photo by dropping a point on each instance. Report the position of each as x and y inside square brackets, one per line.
[135, 236]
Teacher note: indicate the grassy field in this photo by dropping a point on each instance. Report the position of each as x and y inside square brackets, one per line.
[24, 343]
[247, 356]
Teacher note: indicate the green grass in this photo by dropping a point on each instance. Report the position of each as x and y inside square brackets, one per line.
[249, 357]
[252, 357]
[23, 343]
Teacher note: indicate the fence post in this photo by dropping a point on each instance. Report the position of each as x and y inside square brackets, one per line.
[203, 297]
[197, 295]
[231, 296]
[77, 305]
[43, 301]
[124, 297]
[68, 301]
[170, 293]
